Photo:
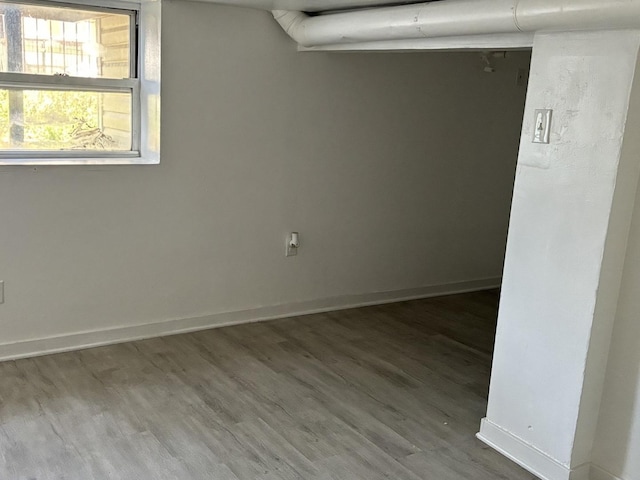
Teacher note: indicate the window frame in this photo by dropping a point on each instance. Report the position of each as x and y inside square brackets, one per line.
[143, 84]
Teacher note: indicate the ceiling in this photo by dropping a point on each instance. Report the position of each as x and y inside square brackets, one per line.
[312, 6]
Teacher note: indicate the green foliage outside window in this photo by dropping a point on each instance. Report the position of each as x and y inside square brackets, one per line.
[51, 119]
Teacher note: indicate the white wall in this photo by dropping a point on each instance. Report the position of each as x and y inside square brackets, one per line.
[572, 209]
[397, 170]
[618, 443]
[617, 447]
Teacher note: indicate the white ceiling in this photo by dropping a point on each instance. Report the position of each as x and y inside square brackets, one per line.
[312, 5]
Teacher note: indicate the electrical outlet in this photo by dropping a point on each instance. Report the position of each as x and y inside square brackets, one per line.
[292, 244]
[291, 251]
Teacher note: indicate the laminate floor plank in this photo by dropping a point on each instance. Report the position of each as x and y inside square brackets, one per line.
[383, 392]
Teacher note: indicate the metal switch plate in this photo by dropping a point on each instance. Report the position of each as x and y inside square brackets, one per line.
[542, 126]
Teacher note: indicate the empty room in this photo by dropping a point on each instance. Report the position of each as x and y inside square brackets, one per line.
[319, 240]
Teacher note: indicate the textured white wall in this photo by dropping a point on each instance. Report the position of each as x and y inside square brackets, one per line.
[397, 170]
[572, 207]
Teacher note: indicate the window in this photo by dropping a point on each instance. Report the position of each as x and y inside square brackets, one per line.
[79, 83]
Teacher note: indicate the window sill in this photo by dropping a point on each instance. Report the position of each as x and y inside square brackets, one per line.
[116, 159]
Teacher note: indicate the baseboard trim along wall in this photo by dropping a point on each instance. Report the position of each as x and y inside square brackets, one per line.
[527, 456]
[598, 473]
[95, 338]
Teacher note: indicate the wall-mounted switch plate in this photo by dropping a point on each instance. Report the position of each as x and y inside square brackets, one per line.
[542, 126]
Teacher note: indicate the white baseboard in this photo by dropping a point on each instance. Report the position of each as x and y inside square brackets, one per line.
[81, 340]
[598, 473]
[527, 456]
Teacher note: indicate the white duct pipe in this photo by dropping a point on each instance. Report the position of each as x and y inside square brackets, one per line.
[449, 18]
[568, 15]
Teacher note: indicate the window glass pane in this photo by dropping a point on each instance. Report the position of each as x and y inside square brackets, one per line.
[64, 41]
[64, 120]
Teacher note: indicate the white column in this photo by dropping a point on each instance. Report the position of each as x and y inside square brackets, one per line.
[570, 219]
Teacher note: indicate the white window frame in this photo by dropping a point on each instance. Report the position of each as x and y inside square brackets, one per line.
[144, 86]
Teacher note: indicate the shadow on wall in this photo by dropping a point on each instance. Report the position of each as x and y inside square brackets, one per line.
[618, 441]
